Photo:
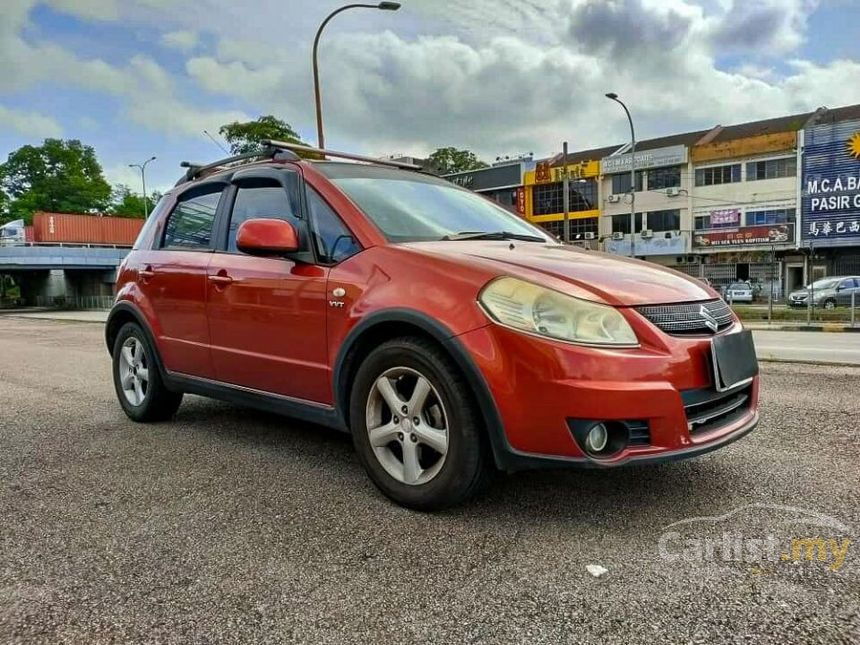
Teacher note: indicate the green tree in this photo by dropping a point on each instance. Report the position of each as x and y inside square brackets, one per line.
[444, 161]
[246, 137]
[126, 203]
[4, 205]
[58, 176]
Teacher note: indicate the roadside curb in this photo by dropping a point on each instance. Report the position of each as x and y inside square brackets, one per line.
[825, 327]
[789, 361]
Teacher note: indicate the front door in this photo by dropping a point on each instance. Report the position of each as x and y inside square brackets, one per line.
[172, 278]
[267, 316]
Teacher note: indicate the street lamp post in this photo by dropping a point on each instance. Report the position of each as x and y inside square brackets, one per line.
[384, 6]
[613, 96]
[142, 167]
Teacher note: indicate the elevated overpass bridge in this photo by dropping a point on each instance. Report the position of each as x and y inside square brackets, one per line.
[53, 274]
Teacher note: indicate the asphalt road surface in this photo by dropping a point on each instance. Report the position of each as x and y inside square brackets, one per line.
[814, 346]
[228, 525]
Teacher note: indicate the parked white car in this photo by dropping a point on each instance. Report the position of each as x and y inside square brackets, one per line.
[739, 292]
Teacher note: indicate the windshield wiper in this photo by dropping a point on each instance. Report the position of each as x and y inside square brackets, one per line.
[492, 235]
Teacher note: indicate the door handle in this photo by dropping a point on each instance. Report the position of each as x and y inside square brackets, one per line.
[221, 280]
[146, 274]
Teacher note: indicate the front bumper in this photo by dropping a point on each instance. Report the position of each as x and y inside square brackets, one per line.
[539, 386]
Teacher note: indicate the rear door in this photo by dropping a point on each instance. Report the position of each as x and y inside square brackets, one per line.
[847, 287]
[267, 315]
[172, 277]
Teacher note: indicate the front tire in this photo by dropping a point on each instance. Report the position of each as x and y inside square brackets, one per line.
[137, 379]
[415, 426]
[830, 304]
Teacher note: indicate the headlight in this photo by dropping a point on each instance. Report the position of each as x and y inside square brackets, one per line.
[534, 309]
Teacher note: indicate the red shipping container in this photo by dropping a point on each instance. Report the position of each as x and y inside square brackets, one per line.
[85, 229]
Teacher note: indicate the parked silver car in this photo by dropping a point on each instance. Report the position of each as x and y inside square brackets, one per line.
[739, 292]
[828, 293]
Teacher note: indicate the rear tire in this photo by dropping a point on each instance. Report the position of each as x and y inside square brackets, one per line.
[436, 462]
[137, 379]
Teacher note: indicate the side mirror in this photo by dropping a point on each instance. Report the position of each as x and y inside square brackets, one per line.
[264, 236]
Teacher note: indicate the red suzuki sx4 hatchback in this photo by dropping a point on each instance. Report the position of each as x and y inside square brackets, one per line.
[449, 336]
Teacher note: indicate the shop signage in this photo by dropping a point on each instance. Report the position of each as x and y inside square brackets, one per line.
[521, 200]
[657, 245]
[669, 156]
[726, 217]
[745, 236]
[830, 199]
[506, 176]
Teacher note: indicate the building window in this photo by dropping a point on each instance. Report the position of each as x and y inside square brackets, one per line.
[577, 227]
[771, 169]
[621, 183]
[664, 178]
[548, 200]
[703, 223]
[668, 220]
[716, 175]
[621, 223]
[777, 216]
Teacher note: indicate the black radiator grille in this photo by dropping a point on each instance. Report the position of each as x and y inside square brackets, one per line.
[689, 317]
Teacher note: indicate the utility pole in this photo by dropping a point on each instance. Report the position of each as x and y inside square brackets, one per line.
[614, 97]
[383, 6]
[565, 187]
[142, 168]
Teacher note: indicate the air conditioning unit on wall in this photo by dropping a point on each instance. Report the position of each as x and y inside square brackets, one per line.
[617, 236]
[613, 199]
[673, 191]
[647, 234]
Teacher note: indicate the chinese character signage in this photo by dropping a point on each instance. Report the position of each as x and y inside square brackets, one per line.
[727, 217]
[521, 200]
[745, 236]
[830, 213]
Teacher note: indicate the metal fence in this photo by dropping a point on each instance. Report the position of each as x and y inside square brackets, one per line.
[75, 302]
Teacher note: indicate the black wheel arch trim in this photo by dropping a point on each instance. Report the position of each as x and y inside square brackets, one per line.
[125, 307]
[502, 450]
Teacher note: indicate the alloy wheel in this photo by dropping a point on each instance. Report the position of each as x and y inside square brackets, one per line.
[407, 425]
[133, 371]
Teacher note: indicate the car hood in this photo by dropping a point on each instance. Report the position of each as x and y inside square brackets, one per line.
[598, 276]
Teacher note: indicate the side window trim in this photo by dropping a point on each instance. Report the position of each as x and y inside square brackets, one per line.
[308, 190]
[194, 191]
[228, 202]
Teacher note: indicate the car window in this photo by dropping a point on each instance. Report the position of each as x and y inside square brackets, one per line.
[409, 206]
[333, 239]
[848, 283]
[826, 283]
[739, 286]
[264, 198]
[190, 224]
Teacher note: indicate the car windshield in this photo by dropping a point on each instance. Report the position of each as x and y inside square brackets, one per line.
[740, 286]
[410, 207]
[826, 283]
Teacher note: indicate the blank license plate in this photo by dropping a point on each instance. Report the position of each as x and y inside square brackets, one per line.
[734, 359]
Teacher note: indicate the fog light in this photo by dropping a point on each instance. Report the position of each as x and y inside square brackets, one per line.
[597, 438]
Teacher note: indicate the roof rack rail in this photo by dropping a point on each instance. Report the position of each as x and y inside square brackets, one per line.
[269, 152]
[297, 147]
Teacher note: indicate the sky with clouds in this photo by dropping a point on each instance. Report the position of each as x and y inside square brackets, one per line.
[136, 78]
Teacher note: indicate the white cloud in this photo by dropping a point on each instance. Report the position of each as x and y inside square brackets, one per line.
[183, 40]
[88, 9]
[30, 124]
[499, 76]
